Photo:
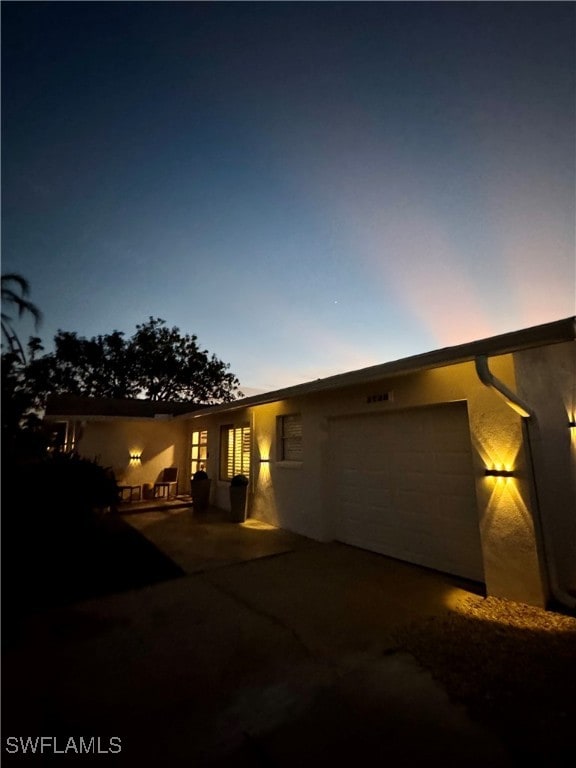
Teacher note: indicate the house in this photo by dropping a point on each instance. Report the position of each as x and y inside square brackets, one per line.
[461, 459]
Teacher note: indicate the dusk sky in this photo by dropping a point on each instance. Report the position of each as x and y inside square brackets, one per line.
[310, 188]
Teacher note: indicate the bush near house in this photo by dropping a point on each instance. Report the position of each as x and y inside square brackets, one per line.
[66, 496]
[72, 481]
[60, 492]
[59, 545]
[51, 510]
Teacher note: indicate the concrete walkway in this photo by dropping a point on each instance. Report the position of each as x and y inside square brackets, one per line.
[202, 541]
[273, 651]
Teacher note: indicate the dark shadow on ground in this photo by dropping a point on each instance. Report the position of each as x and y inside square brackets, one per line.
[40, 573]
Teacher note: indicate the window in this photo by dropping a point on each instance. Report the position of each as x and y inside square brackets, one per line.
[290, 436]
[61, 437]
[234, 451]
[199, 451]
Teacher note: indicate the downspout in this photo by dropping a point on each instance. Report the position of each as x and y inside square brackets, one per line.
[511, 398]
[524, 410]
[254, 449]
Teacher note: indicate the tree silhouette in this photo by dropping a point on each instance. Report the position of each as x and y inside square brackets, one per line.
[156, 363]
[15, 289]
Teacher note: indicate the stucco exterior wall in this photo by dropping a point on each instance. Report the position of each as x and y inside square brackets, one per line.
[296, 488]
[547, 382]
[160, 444]
[296, 495]
[513, 563]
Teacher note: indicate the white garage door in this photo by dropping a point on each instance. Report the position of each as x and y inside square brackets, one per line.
[404, 487]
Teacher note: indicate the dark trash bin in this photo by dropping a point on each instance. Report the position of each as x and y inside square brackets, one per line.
[238, 498]
[200, 490]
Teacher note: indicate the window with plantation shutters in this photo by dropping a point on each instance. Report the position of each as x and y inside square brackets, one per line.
[234, 451]
[290, 432]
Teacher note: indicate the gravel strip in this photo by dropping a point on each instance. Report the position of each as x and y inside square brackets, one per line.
[511, 665]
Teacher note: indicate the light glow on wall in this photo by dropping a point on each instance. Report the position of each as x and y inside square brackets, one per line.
[135, 457]
[572, 427]
[506, 509]
[264, 445]
[501, 470]
[499, 473]
[499, 449]
[502, 479]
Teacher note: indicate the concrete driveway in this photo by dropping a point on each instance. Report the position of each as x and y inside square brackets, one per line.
[273, 650]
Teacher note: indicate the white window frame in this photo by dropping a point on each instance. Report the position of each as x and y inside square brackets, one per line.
[63, 443]
[199, 451]
[289, 431]
[235, 450]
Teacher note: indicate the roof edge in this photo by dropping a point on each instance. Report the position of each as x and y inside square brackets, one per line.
[554, 332]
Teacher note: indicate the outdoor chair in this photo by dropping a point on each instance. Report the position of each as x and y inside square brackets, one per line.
[163, 486]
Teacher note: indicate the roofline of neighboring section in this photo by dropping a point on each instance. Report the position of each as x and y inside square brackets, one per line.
[113, 409]
[540, 335]
[67, 415]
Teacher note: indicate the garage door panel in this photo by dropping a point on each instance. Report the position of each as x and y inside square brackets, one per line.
[446, 441]
[378, 462]
[376, 478]
[350, 476]
[413, 431]
[405, 461]
[411, 493]
[368, 479]
[453, 485]
[408, 481]
[452, 463]
[372, 529]
[455, 508]
[375, 499]
[412, 503]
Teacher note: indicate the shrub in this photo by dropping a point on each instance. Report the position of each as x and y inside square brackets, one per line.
[71, 479]
[64, 494]
[57, 522]
[239, 480]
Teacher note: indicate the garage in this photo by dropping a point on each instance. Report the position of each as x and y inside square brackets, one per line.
[403, 486]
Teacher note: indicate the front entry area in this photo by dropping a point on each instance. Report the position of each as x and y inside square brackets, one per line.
[403, 486]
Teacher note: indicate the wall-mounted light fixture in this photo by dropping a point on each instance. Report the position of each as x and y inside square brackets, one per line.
[499, 473]
[264, 461]
[135, 458]
[572, 424]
